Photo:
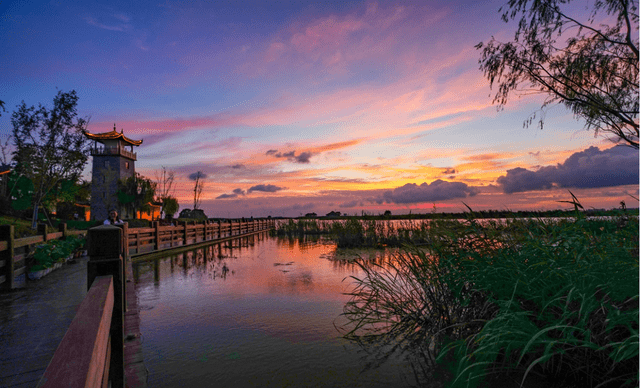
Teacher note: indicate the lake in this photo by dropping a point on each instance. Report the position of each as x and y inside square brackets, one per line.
[255, 312]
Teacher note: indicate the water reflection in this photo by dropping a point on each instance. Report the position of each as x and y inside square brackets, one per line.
[255, 312]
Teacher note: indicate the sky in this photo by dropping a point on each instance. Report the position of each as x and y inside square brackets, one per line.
[293, 107]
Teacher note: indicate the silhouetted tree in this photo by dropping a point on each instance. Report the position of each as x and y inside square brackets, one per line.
[135, 193]
[198, 178]
[49, 145]
[590, 66]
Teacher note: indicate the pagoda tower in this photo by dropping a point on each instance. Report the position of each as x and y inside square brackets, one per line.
[111, 162]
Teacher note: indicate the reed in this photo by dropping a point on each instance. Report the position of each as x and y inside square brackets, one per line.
[555, 299]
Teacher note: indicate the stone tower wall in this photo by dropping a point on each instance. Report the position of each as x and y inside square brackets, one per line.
[107, 171]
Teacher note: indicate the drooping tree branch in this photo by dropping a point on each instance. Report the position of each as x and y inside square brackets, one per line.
[594, 72]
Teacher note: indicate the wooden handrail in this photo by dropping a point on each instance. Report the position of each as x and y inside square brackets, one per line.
[83, 355]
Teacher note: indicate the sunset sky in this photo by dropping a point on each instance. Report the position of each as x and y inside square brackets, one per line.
[291, 107]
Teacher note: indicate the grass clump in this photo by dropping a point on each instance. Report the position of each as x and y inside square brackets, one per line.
[299, 228]
[554, 299]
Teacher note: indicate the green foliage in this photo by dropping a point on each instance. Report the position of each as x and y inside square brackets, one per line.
[567, 299]
[301, 227]
[50, 146]
[170, 206]
[22, 228]
[135, 193]
[590, 66]
[21, 191]
[552, 298]
[47, 254]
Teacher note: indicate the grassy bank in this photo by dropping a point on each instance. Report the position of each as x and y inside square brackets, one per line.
[555, 300]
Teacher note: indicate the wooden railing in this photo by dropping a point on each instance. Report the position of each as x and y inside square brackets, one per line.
[14, 251]
[118, 150]
[83, 357]
[157, 237]
[91, 354]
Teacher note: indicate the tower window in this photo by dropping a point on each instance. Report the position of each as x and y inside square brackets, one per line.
[126, 165]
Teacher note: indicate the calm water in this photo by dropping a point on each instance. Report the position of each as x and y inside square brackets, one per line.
[262, 312]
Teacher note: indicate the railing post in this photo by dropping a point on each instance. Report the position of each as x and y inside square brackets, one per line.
[42, 229]
[156, 225]
[230, 227]
[184, 237]
[7, 233]
[106, 245]
[63, 228]
[125, 240]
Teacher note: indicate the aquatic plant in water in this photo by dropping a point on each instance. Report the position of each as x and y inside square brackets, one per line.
[556, 299]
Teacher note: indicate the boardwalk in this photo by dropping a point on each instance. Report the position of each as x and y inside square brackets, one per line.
[35, 318]
[33, 321]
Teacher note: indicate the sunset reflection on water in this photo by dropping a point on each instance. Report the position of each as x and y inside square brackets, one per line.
[258, 311]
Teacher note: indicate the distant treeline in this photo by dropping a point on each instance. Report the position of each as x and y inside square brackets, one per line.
[483, 214]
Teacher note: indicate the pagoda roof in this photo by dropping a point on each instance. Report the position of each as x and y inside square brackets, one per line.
[112, 135]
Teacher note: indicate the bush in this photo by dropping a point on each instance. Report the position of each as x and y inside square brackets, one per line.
[51, 252]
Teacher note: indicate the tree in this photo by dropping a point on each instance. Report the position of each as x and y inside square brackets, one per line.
[198, 178]
[164, 184]
[170, 206]
[590, 66]
[49, 145]
[135, 193]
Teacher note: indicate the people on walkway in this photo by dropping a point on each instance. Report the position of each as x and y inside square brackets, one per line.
[113, 218]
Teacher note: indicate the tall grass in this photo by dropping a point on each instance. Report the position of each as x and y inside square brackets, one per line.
[363, 233]
[559, 300]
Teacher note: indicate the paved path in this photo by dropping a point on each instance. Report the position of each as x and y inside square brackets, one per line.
[33, 321]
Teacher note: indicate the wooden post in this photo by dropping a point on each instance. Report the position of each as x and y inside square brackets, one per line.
[7, 233]
[106, 245]
[219, 229]
[156, 225]
[42, 229]
[184, 237]
[63, 228]
[125, 240]
[172, 230]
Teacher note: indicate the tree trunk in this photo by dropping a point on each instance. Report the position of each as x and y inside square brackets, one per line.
[34, 217]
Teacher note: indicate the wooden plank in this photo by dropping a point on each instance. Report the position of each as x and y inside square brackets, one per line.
[3, 246]
[19, 271]
[79, 360]
[54, 236]
[143, 230]
[21, 242]
[18, 258]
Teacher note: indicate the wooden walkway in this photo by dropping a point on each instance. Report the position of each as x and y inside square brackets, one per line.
[33, 321]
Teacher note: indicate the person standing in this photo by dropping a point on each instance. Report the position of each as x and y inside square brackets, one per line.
[113, 218]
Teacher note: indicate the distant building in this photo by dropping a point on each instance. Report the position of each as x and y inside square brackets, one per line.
[111, 162]
[311, 215]
[333, 214]
[153, 213]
